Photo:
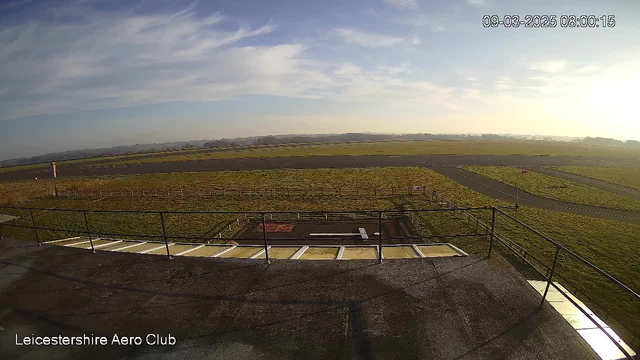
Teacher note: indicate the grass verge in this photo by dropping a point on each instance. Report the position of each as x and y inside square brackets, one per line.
[556, 188]
[629, 177]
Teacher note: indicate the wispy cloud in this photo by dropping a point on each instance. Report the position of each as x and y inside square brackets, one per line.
[104, 60]
[422, 20]
[371, 39]
[118, 59]
[549, 66]
[477, 3]
[403, 4]
[587, 69]
[504, 83]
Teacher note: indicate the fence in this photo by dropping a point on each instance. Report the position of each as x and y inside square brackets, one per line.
[413, 190]
[556, 264]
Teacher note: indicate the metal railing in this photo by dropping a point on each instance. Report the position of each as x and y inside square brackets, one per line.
[371, 215]
[551, 273]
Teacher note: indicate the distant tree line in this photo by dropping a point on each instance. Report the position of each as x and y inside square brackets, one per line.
[610, 141]
[279, 140]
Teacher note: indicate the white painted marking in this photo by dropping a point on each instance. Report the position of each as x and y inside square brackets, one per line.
[595, 337]
[55, 241]
[154, 249]
[455, 248]
[190, 250]
[340, 253]
[129, 246]
[103, 245]
[415, 248]
[78, 243]
[224, 251]
[258, 253]
[363, 233]
[299, 253]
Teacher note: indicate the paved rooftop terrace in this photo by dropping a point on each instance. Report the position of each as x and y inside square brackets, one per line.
[421, 308]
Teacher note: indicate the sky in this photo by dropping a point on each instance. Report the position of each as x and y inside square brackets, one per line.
[87, 74]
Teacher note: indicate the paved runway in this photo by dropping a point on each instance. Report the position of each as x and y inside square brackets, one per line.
[498, 190]
[315, 162]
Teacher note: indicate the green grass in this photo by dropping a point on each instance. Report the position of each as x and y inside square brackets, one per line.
[556, 188]
[629, 177]
[463, 147]
[611, 245]
[457, 147]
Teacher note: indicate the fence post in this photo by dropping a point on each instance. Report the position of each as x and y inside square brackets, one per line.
[379, 237]
[550, 278]
[493, 229]
[164, 235]
[33, 224]
[264, 237]
[86, 225]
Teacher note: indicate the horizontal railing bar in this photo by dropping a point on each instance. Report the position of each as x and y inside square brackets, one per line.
[521, 257]
[247, 212]
[580, 258]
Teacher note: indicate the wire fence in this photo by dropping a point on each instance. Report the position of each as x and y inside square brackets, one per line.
[413, 190]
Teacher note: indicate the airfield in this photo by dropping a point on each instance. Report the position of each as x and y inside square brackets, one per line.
[343, 227]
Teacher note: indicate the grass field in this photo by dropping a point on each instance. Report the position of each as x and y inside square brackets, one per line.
[13, 192]
[629, 177]
[459, 147]
[556, 188]
[470, 147]
[608, 244]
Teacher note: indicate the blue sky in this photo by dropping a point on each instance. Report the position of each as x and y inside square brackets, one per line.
[79, 74]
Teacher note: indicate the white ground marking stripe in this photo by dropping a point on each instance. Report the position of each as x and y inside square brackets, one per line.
[55, 241]
[189, 250]
[224, 251]
[78, 243]
[340, 253]
[129, 246]
[259, 253]
[103, 245]
[457, 249]
[418, 251]
[155, 248]
[299, 253]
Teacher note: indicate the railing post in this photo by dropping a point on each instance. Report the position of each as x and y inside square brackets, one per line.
[164, 235]
[493, 229]
[86, 225]
[33, 224]
[550, 278]
[264, 237]
[379, 237]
